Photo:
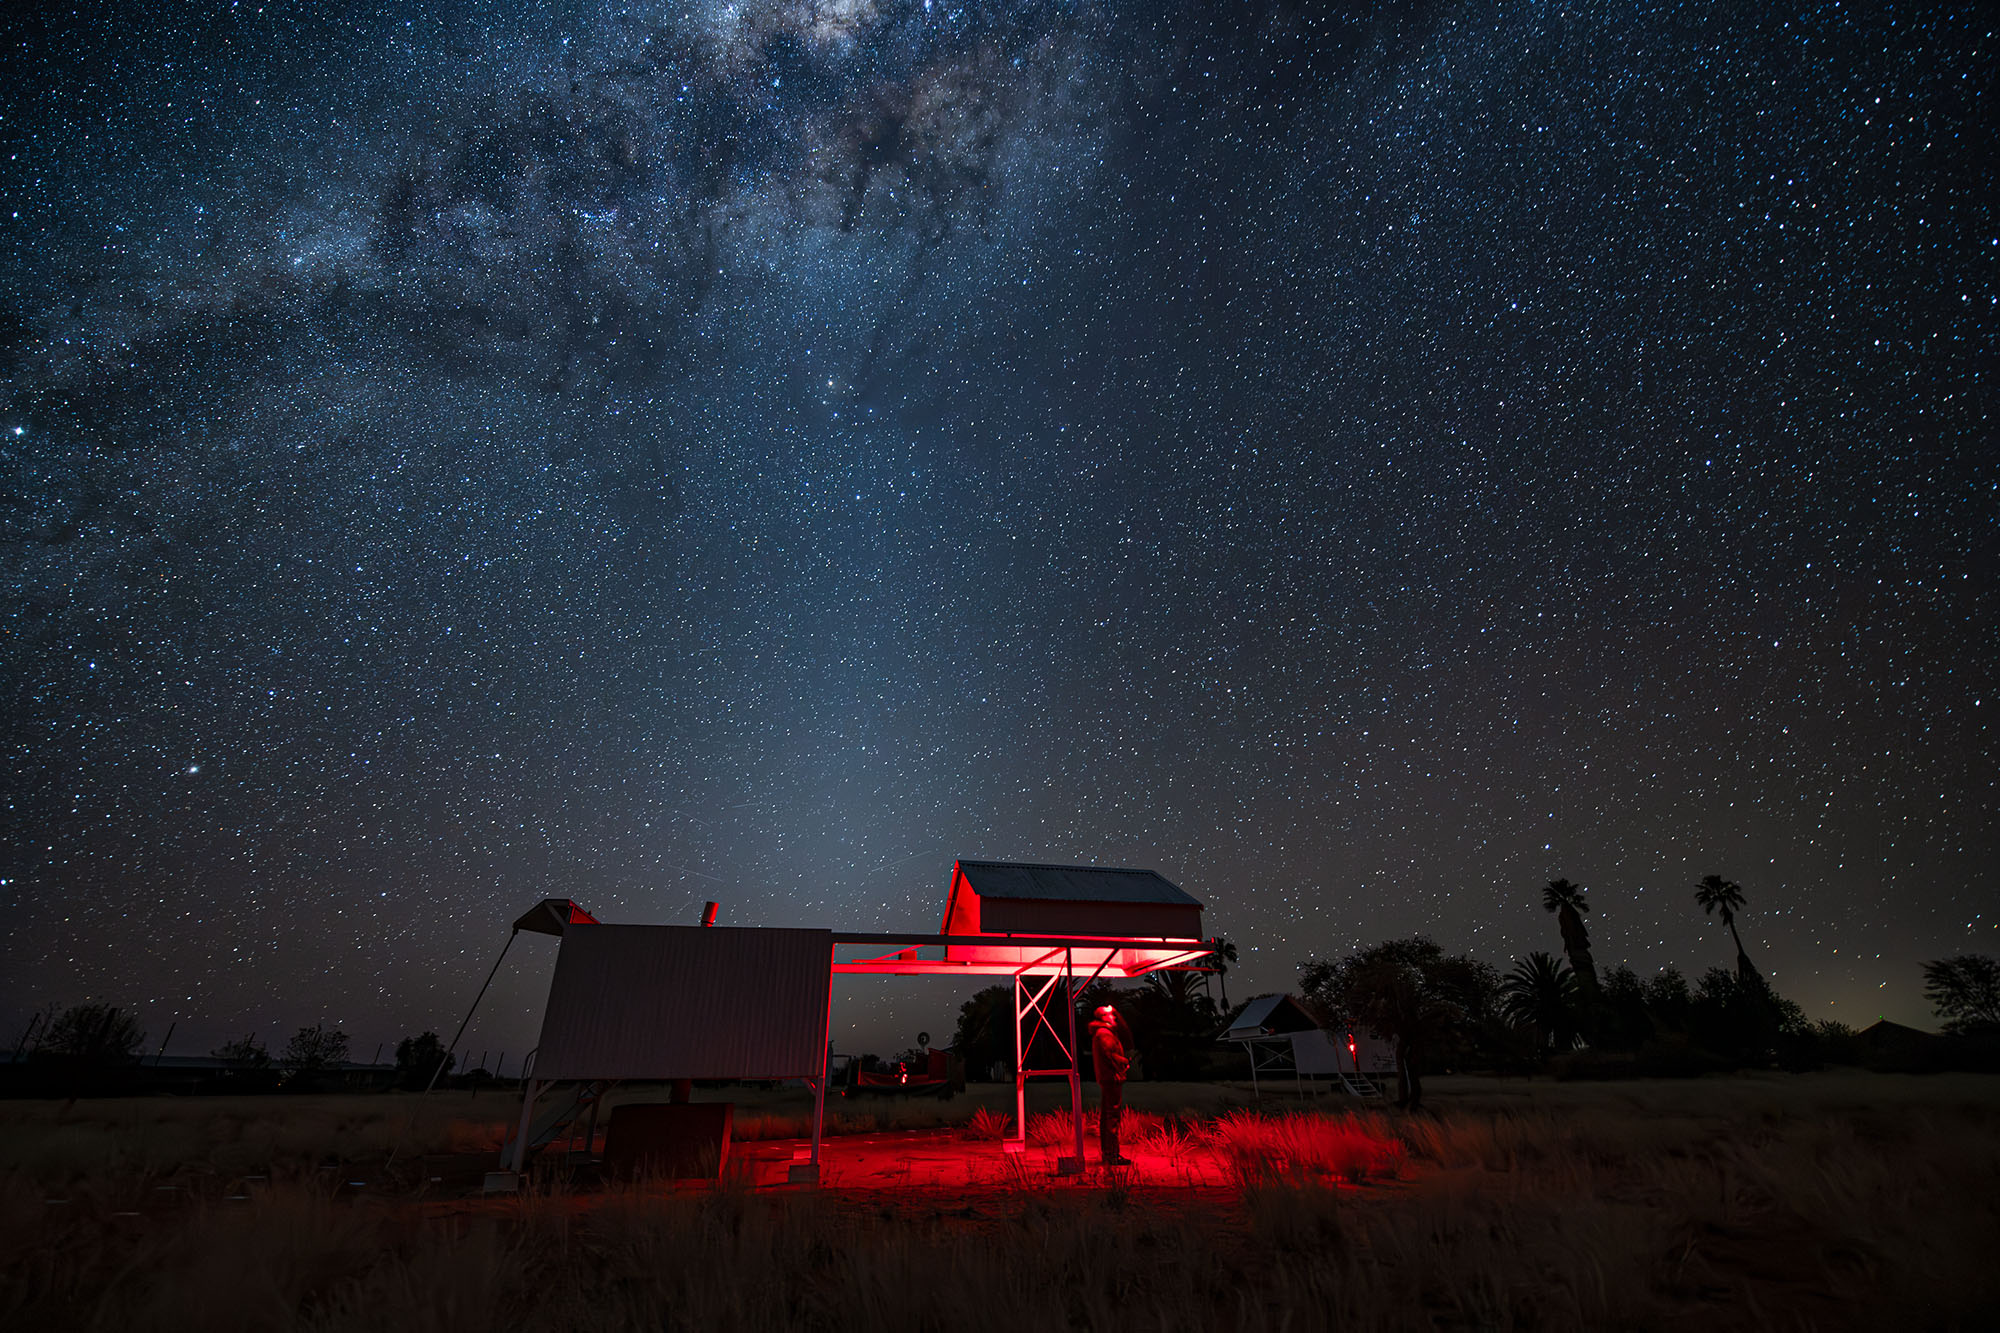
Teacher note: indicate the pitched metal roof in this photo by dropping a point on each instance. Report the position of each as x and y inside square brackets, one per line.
[1269, 1015]
[1099, 884]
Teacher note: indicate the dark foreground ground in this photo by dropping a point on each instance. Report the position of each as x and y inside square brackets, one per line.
[1813, 1201]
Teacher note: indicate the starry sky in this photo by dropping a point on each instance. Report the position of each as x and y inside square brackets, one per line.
[1362, 461]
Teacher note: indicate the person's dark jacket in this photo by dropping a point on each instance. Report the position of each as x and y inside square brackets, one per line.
[1107, 1053]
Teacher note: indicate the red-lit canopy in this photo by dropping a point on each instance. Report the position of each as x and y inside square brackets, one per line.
[1006, 955]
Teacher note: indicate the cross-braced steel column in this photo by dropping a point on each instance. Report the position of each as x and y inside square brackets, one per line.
[1034, 1003]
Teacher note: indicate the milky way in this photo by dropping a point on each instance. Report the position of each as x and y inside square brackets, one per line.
[1361, 463]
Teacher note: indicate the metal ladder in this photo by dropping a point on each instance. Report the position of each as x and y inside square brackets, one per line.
[552, 1121]
[1359, 1085]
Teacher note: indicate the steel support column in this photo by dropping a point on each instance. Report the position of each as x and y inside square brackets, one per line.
[1073, 1166]
[528, 1098]
[807, 1172]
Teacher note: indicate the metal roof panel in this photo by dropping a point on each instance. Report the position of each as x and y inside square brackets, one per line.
[1269, 1015]
[657, 1002]
[1047, 883]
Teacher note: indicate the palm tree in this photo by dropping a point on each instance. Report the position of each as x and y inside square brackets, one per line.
[1541, 993]
[1716, 894]
[1219, 961]
[1174, 1019]
[1566, 901]
[1177, 988]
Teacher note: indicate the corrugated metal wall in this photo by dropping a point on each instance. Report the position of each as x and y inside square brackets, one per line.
[656, 1002]
[1041, 916]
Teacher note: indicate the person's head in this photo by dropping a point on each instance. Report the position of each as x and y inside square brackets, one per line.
[1107, 1015]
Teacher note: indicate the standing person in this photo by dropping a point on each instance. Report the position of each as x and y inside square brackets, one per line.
[1107, 1053]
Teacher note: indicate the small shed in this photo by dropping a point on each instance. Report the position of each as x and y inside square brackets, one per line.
[1282, 1037]
[1017, 898]
[1270, 1016]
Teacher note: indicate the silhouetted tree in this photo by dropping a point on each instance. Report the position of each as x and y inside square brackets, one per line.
[311, 1052]
[245, 1053]
[985, 1035]
[1712, 1011]
[420, 1059]
[1173, 1023]
[1221, 961]
[1669, 1001]
[1566, 900]
[97, 1035]
[1410, 991]
[1717, 895]
[1738, 1016]
[1180, 989]
[86, 1048]
[1964, 991]
[1622, 1021]
[1838, 1042]
[1542, 993]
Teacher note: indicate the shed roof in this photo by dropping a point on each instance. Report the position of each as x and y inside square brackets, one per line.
[1098, 884]
[1269, 1016]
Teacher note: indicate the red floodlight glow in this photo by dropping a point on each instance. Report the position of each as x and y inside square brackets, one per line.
[1010, 955]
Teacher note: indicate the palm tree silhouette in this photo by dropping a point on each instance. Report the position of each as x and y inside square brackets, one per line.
[1716, 894]
[1176, 987]
[1541, 993]
[1224, 955]
[1566, 901]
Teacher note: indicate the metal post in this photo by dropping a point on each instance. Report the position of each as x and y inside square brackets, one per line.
[825, 1065]
[590, 1134]
[161, 1054]
[807, 1173]
[1019, 1141]
[1074, 1166]
[527, 1122]
[819, 1116]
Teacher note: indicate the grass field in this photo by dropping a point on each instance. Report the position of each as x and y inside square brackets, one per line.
[1813, 1201]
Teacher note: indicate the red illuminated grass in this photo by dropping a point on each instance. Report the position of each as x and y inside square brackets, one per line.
[1302, 1147]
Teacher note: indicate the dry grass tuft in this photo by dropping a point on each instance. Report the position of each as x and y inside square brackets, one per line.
[1354, 1147]
[986, 1124]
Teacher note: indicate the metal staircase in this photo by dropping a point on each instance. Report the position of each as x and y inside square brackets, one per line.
[1360, 1085]
[557, 1120]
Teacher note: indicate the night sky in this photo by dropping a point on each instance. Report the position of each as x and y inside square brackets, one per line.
[1362, 462]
